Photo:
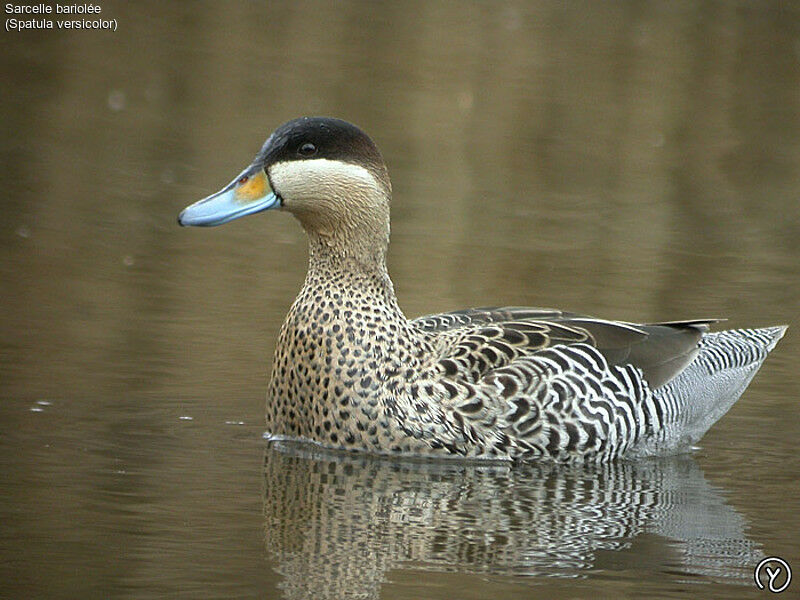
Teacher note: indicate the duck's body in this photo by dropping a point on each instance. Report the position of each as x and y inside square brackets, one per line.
[351, 371]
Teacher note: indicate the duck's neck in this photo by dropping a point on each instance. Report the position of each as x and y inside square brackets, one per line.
[349, 273]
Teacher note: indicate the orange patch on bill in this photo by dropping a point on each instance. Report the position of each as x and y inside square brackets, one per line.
[254, 188]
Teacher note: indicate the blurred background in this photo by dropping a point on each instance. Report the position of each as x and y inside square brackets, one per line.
[633, 160]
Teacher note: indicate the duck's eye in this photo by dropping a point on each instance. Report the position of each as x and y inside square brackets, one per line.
[308, 149]
[243, 179]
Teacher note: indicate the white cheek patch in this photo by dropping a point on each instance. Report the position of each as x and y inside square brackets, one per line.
[320, 179]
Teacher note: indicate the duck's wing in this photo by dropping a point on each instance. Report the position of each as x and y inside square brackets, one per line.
[470, 317]
[481, 339]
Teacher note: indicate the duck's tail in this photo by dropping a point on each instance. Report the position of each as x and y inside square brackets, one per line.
[707, 388]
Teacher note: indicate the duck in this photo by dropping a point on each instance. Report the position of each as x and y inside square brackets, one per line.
[505, 383]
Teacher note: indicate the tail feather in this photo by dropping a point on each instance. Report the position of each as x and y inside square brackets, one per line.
[703, 392]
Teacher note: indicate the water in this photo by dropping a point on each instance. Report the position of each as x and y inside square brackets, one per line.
[630, 160]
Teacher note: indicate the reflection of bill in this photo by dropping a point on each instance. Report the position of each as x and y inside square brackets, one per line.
[777, 572]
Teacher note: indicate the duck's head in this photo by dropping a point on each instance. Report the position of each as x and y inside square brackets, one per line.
[326, 172]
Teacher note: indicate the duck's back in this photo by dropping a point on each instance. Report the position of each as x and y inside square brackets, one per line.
[569, 386]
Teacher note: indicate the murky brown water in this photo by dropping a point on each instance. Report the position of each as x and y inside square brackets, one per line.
[636, 160]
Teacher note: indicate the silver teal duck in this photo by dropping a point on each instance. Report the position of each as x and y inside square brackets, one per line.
[352, 371]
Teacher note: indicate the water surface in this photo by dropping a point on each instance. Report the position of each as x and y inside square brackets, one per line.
[630, 160]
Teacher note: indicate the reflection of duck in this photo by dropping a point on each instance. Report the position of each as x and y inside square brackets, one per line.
[336, 524]
[351, 371]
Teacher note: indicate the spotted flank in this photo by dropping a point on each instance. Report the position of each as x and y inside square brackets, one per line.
[503, 383]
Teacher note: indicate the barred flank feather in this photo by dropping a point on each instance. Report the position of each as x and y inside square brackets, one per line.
[700, 395]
